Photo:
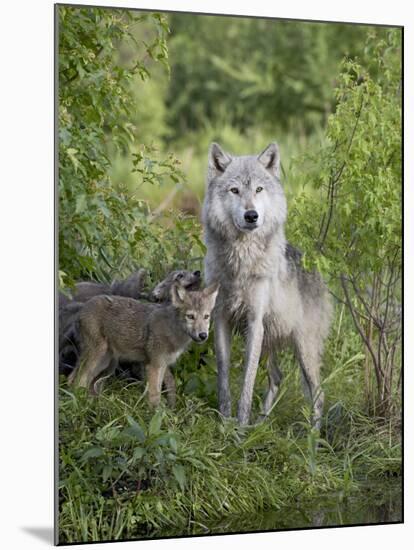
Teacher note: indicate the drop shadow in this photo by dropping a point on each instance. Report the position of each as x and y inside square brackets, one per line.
[42, 533]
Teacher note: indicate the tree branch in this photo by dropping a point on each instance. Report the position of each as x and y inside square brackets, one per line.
[359, 328]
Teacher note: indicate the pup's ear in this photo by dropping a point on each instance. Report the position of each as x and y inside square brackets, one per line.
[270, 158]
[161, 291]
[211, 293]
[213, 288]
[178, 295]
[218, 160]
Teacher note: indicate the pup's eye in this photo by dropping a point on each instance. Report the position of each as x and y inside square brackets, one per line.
[180, 276]
[206, 316]
[234, 190]
[259, 189]
[190, 316]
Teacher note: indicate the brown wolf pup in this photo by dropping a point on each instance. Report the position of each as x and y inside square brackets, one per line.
[113, 328]
[131, 288]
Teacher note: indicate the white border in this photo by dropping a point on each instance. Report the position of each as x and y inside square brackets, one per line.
[26, 217]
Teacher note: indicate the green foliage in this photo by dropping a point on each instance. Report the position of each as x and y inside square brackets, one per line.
[255, 72]
[357, 176]
[98, 220]
[137, 452]
[356, 196]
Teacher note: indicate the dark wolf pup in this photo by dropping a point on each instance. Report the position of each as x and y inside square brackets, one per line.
[113, 328]
[84, 290]
[132, 287]
[190, 280]
[263, 288]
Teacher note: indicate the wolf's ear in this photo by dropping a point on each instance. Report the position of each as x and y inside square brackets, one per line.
[178, 295]
[270, 158]
[218, 160]
[211, 293]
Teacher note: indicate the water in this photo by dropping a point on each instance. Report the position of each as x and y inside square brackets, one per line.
[372, 504]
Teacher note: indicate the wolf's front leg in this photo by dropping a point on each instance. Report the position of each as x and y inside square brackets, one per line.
[222, 342]
[253, 352]
[256, 302]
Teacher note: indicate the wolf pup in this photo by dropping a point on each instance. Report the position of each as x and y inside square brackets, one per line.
[263, 289]
[114, 328]
[189, 280]
[131, 287]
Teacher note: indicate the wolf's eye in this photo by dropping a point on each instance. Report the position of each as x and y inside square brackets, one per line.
[259, 189]
[180, 276]
[206, 316]
[190, 316]
[234, 190]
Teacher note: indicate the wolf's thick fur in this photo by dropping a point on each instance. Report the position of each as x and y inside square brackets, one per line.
[263, 289]
[114, 328]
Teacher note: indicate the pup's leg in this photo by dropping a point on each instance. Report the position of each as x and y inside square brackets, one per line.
[155, 375]
[253, 352]
[222, 342]
[68, 351]
[169, 383]
[310, 363]
[92, 362]
[275, 377]
[103, 375]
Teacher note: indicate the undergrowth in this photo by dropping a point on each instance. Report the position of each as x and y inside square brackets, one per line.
[129, 472]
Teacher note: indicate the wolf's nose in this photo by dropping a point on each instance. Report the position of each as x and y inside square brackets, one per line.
[197, 273]
[203, 335]
[251, 216]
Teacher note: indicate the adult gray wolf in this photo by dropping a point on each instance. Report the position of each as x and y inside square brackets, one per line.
[264, 292]
[114, 328]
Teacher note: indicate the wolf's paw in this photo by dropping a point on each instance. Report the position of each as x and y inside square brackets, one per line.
[260, 419]
[229, 419]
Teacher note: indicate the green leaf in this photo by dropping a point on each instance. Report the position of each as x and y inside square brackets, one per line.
[72, 155]
[135, 430]
[107, 472]
[162, 440]
[139, 453]
[80, 204]
[92, 452]
[155, 423]
[180, 476]
[173, 444]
